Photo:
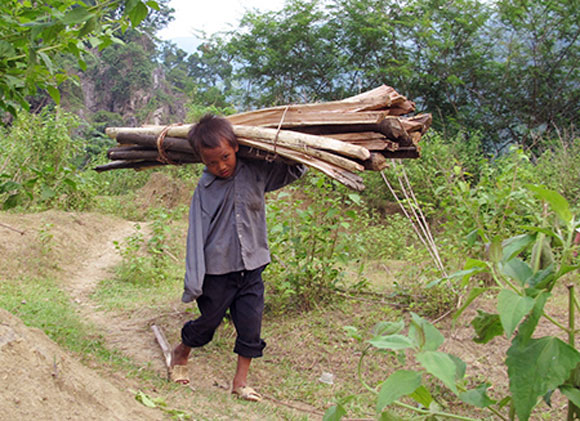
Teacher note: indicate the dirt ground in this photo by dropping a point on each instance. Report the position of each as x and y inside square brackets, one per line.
[40, 380]
[38, 377]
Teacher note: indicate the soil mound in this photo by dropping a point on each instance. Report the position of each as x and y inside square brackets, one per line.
[40, 381]
[164, 191]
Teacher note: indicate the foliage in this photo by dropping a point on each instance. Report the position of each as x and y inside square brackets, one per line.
[464, 62]
[311, 242]
[33, 35]
[153, 261]
[538, 58]
[39, 166]
[525, 269]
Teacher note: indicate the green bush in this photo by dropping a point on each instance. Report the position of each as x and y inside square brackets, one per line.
[311, 239]
[38, 170]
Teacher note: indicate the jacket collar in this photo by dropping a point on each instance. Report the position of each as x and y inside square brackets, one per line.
[208, 178]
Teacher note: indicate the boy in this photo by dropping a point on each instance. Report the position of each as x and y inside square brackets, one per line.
[227, 247]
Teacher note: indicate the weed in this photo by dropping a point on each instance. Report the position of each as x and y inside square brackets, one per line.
[312, 241]
[45, 239]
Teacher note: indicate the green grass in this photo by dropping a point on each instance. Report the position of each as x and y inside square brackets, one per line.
[42, 304]
[114, 294]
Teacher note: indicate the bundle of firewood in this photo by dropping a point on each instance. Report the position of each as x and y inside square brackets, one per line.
[338, 138]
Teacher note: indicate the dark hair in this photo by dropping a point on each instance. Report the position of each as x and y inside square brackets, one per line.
[209, 132]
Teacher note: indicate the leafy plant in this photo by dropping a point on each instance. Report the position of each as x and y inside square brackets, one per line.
[39, 167]
[311, 243]
[524, 269]
[33, 35]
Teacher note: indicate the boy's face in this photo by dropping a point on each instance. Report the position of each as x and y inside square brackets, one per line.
[220, 161]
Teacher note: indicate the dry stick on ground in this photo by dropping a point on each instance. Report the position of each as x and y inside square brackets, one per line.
[12, 229]
[162, 341]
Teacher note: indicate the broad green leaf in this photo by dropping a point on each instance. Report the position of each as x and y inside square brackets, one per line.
[487, 326]
[515, 245]
[474, 263]
[400, 383]
[130, 5]
[546, 231]
[535, 367]
[388, 328]
[46, 193]
[422, 396]
[512, 308]
[460, 367]
[394, 342]
[334, 413]
[471, 238]
[82, 64]
[473, 294]
[355, 198]
[145, 400]
[54, 93]
[571, 393]
[542, 255]
[564, 269]
[477, 397]
[89, 26]
[138, 13]
[557, 202]
[440, 365]
[463, 274]
[528, 326]
[153, 5]
[542, 278]
[77, 15]
[425, 335]
[517, 270]
[331, 212]
[6, 49]
[47, 62]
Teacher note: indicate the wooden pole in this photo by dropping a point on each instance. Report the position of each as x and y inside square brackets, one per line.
[163, 344]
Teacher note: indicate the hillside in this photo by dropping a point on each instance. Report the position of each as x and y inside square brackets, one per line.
[71, 385]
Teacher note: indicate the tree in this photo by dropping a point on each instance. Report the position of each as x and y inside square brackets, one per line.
[537, 90]
[33, 35]
[286, 57]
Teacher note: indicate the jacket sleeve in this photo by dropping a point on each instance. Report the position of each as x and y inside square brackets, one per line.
[280, 174]
[195, 259]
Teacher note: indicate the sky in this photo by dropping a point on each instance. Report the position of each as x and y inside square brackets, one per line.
[211, 15]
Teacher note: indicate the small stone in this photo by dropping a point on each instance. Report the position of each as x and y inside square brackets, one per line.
[327, 378]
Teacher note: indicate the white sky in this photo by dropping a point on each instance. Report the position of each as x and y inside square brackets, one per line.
[211, 15]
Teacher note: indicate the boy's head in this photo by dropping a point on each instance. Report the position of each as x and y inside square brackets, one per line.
[213, 139]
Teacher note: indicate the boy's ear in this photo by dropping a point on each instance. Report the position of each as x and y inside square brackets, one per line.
[237, 148]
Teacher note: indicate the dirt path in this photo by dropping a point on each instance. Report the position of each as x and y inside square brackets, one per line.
[132, 337]
[39, 379]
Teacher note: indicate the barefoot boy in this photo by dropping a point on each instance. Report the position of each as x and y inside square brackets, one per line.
[227, 247]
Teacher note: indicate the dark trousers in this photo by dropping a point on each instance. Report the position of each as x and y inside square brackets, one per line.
[241, 292]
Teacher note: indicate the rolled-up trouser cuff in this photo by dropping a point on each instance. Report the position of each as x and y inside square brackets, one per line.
[249, 351]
